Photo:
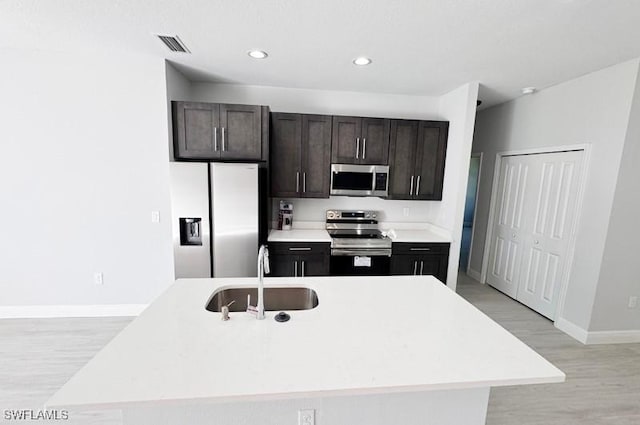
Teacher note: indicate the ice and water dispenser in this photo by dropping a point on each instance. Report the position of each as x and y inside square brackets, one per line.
[190, 231]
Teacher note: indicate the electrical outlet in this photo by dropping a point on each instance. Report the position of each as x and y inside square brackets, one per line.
[633, 302]
[98, 278]
[405, 212]
[155, 216]
[307, 417]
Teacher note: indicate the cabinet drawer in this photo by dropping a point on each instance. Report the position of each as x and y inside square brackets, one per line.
[299, 248]
[401, 248]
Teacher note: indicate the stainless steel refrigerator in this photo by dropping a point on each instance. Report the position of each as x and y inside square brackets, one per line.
[217, 216]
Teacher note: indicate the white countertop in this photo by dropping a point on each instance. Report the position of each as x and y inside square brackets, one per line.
[417, 235]
[299, 235]
[367, 335]
[396, 234]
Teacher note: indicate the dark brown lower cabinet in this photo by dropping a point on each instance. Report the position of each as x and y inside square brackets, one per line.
[298, 259]
[420, 259]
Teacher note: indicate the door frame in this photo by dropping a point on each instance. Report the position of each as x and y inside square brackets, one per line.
[582, 185]
[475, 210]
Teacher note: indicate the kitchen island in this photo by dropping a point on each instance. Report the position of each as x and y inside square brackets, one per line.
[375, 350]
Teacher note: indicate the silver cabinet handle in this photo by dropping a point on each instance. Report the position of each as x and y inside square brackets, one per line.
[215, 139]
[415, 268]
[418, 185]
[411, 189]
[357, 147]
[297, 181]
[304, 182]
[364, 147]
[303, 269]
[419, 249]
[223, 146]
[300, 249]
[421, 267]
[295, 269]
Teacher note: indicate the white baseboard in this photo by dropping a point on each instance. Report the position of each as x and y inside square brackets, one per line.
[613, 337]
[51, 311]
[597, 337]
[571, 329]
[474, 274]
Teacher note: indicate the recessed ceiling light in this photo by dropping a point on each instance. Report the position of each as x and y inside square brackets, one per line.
[257, 54]
[362, 61]
[528, 90]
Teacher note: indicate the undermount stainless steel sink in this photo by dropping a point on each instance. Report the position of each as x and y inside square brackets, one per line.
[275, 299]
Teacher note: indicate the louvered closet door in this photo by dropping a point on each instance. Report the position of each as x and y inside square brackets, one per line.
[510, 218]
[550, 207]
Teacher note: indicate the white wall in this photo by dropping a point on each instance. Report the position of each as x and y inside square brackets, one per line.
[178, 88]
[457, 107]
[593, 109]
[619, 273]
[84, 138]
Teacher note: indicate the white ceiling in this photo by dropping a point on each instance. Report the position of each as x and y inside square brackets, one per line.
[418, 47]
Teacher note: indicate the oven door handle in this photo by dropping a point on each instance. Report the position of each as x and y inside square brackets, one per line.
[360, 252]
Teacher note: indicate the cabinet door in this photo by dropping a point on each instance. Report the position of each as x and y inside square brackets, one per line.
[346, 140]
[404, 265]
[404, 136]
[194, 130]
[283, 265]
[429, 265]
[241, 132]
[430, 159]
[374, 146]
[313, 265]
[316, 156]
[286, 153]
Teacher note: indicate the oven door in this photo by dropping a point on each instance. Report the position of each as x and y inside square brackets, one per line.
[355, 262]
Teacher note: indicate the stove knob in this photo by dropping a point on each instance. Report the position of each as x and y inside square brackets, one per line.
[374, 216]
[331, 214]
[368, 215]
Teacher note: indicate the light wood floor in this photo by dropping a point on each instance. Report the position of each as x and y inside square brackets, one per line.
[37, 356]
[603, 381]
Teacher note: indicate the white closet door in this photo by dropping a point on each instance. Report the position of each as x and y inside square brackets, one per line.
[509, 220]
[550, 206]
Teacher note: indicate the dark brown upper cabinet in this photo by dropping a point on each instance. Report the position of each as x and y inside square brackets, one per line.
[212, 131]
[358, 140]
[417, 156]
[300, 155]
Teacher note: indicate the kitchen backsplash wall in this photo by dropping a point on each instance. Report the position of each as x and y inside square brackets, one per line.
[395, 211]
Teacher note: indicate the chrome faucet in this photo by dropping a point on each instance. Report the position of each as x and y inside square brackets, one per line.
[263, 267]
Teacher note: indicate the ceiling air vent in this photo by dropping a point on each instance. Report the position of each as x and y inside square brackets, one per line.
[173, 43]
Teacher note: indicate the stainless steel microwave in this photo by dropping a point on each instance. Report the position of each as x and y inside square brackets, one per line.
[359, 180]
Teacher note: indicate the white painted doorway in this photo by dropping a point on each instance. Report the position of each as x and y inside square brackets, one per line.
[535, 207]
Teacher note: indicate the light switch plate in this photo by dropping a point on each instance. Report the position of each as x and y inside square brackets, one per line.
[306, 417]
[155, 216]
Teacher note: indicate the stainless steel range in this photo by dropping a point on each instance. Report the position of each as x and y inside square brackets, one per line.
[358, 247]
